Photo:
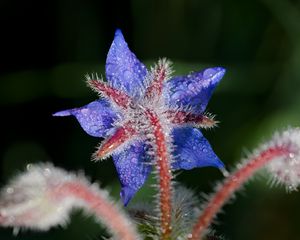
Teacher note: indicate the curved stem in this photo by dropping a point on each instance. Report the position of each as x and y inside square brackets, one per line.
[232, 184]
[104, 210]
[164, 173]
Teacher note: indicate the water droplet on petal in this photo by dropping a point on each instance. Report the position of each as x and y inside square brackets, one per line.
[85, 111]
[208, 73]
[127, 75]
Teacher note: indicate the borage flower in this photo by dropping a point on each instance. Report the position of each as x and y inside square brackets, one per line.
[146, 115]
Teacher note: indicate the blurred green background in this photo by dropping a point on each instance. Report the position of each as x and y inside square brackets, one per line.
[46, 48]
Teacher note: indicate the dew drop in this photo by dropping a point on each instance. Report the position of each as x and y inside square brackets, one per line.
[191, 87]
[291, 155]
[190, 235]
[127, 75]
[291, 188]
[209, 73]
[239, 165]
[234, 179]
[84, 111]
[16, 231]
[28, 166]
[47, 172]
[10, 190]
[60, 209]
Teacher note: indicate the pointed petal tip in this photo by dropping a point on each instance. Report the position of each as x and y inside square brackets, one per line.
[193, 150]
[119, 38]
[220, 69]
[133, 169]
[63, 113]
[126, 194]
[118, 32]
[123, 69]
[219, 164]
[215, 72]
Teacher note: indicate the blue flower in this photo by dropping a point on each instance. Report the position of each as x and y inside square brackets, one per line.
[120, 116]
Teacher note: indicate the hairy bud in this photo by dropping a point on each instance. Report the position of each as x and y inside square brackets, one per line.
[28, 201]
[43, 197]
[285, 169]
[280, 156]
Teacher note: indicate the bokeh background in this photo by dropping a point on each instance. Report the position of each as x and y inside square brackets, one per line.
[46, 48]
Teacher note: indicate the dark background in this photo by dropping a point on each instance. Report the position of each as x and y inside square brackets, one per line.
[46, 48]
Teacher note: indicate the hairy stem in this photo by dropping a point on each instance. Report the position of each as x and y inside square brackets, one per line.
[105, 211]
[164, 173]
[232, 184]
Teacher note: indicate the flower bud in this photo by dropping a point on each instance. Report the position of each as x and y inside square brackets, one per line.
[29, 200]
[285, 169]
[43, 197]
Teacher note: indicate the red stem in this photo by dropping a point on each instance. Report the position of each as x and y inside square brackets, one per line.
[232, 184]
[163, 168]
[102, 208]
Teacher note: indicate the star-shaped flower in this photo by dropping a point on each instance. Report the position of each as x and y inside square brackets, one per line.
[133, 101]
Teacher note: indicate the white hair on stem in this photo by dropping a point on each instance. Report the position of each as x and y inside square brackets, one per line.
[43, 197]
[280, 156]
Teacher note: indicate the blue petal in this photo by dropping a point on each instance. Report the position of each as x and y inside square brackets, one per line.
[96, 118]
[123, 69]
[133, 169]
[193, 150]
[193, 90]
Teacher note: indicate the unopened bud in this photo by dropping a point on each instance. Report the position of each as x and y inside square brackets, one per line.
[43, 197]
[286, 168]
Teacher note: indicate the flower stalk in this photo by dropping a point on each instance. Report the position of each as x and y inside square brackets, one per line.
[232, 184]
[103, 210]
[164, 173]
[44, 196]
